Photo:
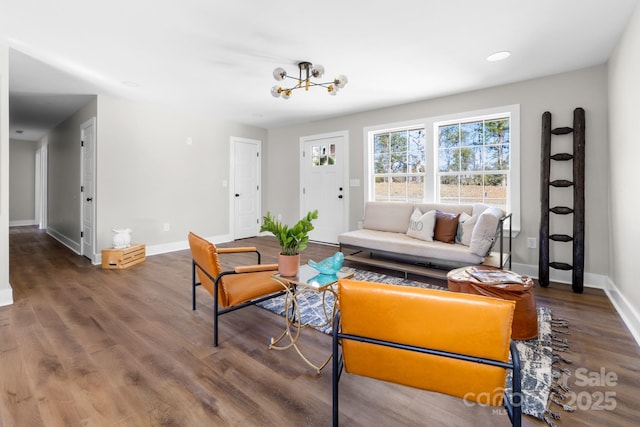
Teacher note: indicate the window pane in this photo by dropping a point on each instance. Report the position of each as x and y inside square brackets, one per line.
[471, 134]
[398, 188]
[495, 189]
[382, 188]
[449, 160]
[398, 141]
[496, 157]
[448, 136]
[471, 159]
[398, 162]
[332, 154]
[381, 143]
[415, 188]
[380, 163]
[449, 189]
[471, 189]
[497, 131]
[416, 163]
[416, 140]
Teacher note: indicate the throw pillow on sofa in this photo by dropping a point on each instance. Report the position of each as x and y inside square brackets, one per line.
[421, 225]
[446, 227]
[465, 228]
[484, 232]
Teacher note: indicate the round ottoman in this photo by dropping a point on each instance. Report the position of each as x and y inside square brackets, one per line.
[525, 317]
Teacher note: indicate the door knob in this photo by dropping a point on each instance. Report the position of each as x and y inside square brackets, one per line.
[340, 196]
[89, 199]
[237, 195]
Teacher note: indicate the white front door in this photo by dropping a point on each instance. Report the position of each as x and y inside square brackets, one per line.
[88, 138]
[245, 187]
[324, 167]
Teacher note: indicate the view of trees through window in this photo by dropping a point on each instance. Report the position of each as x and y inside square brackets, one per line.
[473, 161]
[399, 164]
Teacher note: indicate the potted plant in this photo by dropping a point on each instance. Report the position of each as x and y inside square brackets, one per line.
[292, 240]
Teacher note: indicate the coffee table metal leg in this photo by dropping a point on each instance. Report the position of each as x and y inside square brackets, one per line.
[293, 322]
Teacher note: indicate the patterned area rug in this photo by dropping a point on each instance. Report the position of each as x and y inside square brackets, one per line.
[539, 357]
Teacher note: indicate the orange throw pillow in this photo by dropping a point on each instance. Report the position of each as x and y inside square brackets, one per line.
[446, 227]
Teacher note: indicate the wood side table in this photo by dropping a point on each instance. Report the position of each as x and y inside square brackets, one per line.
[525, 317]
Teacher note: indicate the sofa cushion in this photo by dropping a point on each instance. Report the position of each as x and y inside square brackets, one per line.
[465, 228]
[421, 225]
[401, 244]
[446, 227]
[387, 216]
[484, 232]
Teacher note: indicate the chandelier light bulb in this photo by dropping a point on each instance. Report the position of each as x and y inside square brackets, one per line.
[276, 91]
[317, 71]
[333, 90]
[286, 94]
[341, 81]
[279, 73]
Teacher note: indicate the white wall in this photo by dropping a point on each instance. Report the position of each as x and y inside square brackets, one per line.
[64, 152]
[22, 184]
[148, 175]
[559, 94]
[624, 154]
[6, 293]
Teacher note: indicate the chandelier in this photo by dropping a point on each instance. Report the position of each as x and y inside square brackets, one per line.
[307, 71]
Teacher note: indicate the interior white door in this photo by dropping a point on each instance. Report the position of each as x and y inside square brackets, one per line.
[246, 191]
[323, 169]
[88, 137]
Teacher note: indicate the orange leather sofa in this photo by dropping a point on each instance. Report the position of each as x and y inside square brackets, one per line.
[457, 344]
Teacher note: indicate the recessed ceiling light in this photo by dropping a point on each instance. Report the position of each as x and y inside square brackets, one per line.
[498, 56]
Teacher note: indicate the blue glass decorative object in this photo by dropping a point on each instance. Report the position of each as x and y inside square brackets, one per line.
[329, 265]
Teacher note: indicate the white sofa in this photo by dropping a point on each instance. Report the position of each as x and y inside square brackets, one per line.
[403, 233]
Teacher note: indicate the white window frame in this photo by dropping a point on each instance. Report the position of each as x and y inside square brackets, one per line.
[431, 151]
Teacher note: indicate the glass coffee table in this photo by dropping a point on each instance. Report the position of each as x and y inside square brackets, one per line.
[307, 281]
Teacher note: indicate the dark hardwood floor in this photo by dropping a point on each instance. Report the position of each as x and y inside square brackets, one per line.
[83, 346]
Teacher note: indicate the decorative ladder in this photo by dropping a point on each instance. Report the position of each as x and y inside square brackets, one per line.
[578, 200]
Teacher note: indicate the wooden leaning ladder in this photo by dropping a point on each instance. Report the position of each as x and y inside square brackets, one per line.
[577, 239]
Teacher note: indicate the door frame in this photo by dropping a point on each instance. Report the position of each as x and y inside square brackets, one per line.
[232, 181]
[91, 122]
[345, 178]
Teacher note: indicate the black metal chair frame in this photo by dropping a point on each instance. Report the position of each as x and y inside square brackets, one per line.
[217, 311]
[513, 405]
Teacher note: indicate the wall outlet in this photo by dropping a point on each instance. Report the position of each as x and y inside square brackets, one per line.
[532, 242]
[166, 226]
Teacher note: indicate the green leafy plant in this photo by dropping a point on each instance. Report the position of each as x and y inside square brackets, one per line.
[292, 239]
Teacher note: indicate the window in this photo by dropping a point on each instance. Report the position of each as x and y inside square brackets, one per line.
[473, 161]
[471, 157]
[398, 163]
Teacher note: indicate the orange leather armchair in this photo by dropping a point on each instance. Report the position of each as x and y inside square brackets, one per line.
[451, 343]
[234, 289]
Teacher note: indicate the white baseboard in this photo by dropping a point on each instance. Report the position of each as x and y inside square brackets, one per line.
[22, 222]
[591, 280]
[6, 296]
[182, 245]
[627, 312]
[74, 246]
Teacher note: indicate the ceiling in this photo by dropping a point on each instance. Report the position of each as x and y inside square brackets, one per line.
[215, 59]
